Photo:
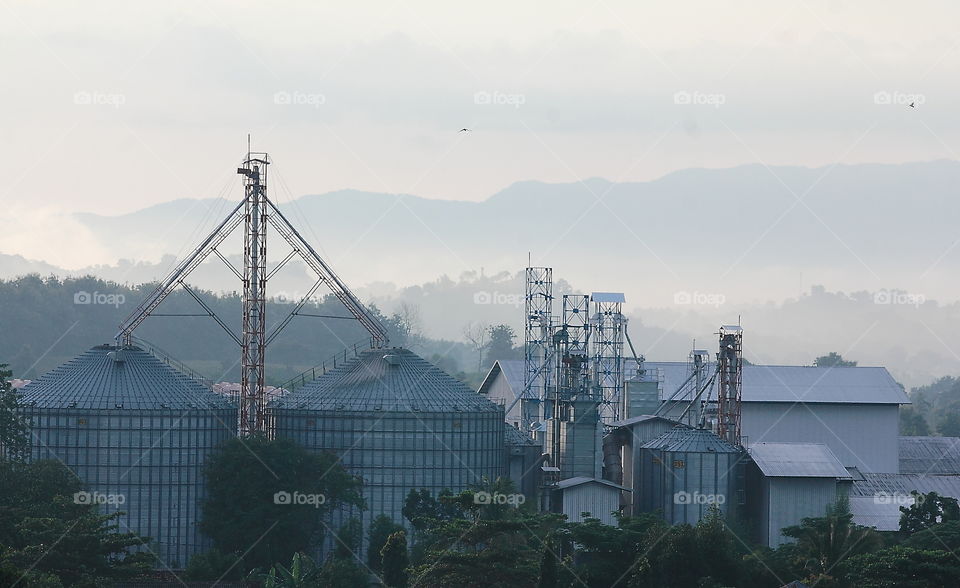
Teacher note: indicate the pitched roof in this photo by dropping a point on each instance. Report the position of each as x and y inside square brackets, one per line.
[580, 480]
[786, 383]
[642, 418]
[684, 439]
[875, 500]
[929, 455]
[387, 379]
[510, 369]
[797, 460]
[107, 377]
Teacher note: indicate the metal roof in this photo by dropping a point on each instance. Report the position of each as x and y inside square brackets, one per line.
[107, 377]
[929, 455]
[797, 460]
[514, 437]
[642, 419]
[389, 380]
[876, 499]
[686, 440]
[580, 480]
[608, 297]
[784, 383]
[512, 370]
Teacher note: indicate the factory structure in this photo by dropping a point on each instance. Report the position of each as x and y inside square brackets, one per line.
[582, 424]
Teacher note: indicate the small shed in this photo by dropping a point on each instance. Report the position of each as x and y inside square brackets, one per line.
[599, 498]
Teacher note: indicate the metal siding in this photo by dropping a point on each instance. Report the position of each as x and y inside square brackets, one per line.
[860, 435]
[792, 499]
[599, 500]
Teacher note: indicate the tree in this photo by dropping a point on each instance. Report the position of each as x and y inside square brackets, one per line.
[902, 567]
[926, 511]
[213, 565]
[348, 539]
[833, 359]
[14, 432]
[948, 424]
[381, 528]
[944, 536]
[44, 530]
[824, 542]
[343, 573]
[476, 334]
[394, 557]
[500, 343]
[271, 494]
[302, 573]
[912, 422]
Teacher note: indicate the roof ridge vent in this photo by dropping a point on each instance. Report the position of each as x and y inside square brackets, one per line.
[392, 359]
[117, 356]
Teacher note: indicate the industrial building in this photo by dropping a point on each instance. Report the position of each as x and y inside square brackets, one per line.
[399, 423]
[137, 431]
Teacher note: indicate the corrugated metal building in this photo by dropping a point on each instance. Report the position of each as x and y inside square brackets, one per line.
[875, 499]
[929, 455]
[522, 461]
[503, 384]
[130, 425]
[579, 495]
[790, 481]
[684, 472]
[853, 410]
[631, 435]
[400, 423]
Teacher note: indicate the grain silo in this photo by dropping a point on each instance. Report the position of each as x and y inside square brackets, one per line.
[684, 472]
[398, 422]
[136, 431]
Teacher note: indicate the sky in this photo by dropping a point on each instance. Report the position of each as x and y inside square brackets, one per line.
[113, 106]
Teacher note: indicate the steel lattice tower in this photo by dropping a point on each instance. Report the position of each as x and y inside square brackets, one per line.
[538, 331]
[730, 370]
[252, 400]
[607, 342]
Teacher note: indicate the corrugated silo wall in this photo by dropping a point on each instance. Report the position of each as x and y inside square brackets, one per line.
[395, 452]
[681, 484]
[152, 458]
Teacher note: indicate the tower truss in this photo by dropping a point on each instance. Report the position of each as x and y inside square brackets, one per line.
[730, 373]
[607, 343]
[256, 212]
[538, 331]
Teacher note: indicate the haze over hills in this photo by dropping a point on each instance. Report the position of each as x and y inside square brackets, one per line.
[690, 250]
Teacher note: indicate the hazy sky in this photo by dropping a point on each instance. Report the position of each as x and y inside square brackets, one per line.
[112, 106]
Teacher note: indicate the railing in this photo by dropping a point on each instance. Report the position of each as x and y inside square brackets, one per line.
[331, 363]
[171, 361]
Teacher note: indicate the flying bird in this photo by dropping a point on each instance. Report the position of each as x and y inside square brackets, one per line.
[912, 105]
[464, 131]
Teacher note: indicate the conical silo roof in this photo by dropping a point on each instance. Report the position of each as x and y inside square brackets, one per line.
[388, 380]
[683, 439]
[107, 377]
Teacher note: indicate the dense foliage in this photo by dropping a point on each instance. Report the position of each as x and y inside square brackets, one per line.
[266, 498]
